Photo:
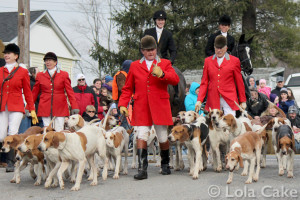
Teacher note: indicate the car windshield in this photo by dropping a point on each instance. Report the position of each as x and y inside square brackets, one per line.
[294, 81]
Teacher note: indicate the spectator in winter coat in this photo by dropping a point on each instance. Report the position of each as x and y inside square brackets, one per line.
[191, 99]
[295, 124]
[291, 96]
[89, 114]
[263, 88]
[280, 84]
[257, 104]
[284, 102]
[108, 83]
[84, 94]
[250, 80]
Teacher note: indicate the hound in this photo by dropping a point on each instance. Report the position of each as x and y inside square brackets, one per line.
[29, 149]
[78, 146]
[194, 137]
[234, 125]
[284, 145]
[217, 137]
[245, 147]
[117, 140]
[13, 141]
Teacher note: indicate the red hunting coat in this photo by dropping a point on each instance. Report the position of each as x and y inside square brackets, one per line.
[12, 90]
[62, 83]
[151, 97]
[223, 81]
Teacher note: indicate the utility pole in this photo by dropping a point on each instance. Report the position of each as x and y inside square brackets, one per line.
[23, 30]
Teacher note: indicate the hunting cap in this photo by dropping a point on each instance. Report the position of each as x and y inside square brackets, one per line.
[12, 48]
[220, 41]
[160, 14]
[50, 55]
[148, 42]
[225, 20]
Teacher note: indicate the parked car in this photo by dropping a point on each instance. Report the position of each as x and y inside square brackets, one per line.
[293, 82]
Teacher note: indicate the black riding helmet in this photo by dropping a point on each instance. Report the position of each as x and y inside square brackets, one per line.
[160, 14]
[225, 20]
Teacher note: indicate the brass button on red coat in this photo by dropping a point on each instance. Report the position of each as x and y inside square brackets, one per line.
[218, 74]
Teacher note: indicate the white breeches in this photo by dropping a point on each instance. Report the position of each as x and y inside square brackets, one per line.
[226, 108]
[10, 123]
[161, 132]
[58, 123]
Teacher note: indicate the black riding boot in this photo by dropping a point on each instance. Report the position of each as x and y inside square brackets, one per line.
[143, 160]
[143, 164]
[165, 158]
[10, 161]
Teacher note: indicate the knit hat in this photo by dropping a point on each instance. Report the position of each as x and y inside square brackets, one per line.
[80, 76]
[262, 81]
[293, 109]
[108, 79]
[283, 90]
[126, 65]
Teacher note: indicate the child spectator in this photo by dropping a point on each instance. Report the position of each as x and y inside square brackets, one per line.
[191, 99]
[105, 98]
[283, 101]
[291, 96]
[89, 114]
[263, 88]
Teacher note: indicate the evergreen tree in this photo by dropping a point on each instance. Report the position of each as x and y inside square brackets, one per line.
[192, 21]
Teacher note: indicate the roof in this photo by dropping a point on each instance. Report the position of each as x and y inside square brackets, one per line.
[9, 24]
[9, 27]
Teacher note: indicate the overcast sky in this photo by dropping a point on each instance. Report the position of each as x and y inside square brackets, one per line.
[66, 14]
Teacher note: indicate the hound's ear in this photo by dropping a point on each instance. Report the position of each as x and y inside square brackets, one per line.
[117, 139]
[278, 145]
[80, 121]
[55, 141]
[241, 161]
[270, 124]
[293, 143]
[226, 159]
[221, 113]
[184, 135]
[233, 124]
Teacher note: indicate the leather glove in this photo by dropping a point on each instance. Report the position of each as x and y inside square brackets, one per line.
[156, 71]
[198, 106]
[74, 111]
[124, 111]
[243, 105]
[34, 117]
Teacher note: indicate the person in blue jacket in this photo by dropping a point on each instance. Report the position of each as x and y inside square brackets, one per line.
[191, 99]
[284, 101]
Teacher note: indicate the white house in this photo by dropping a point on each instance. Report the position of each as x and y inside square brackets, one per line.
[45, 36]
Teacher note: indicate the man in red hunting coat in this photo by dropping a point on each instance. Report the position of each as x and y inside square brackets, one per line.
[222, 81]
[148, 79]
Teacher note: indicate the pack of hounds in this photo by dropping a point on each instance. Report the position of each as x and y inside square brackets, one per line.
[233, 143]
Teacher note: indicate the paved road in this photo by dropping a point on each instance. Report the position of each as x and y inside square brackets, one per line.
[176, 186]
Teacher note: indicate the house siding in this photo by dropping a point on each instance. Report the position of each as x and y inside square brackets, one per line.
[65, 64]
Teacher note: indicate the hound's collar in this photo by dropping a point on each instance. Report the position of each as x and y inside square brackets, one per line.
[226, 56]
[156, 58]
